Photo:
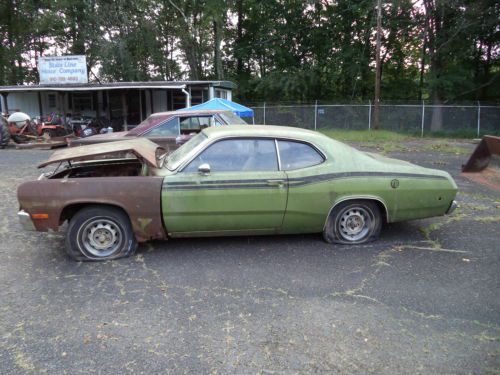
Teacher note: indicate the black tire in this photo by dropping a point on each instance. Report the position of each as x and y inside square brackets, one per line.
[353, 222]
[20, 138]
[49, 132]
[98, 233]
[4, 133]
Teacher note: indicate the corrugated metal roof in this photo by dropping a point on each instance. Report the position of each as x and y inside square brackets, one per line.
[117, 86]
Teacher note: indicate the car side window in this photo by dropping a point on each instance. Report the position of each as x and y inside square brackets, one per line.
[166, 129]
[297, 155]
[194, 124]
[237, 155]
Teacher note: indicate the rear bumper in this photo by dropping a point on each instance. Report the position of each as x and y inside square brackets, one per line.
[452, 207]
[25, 220]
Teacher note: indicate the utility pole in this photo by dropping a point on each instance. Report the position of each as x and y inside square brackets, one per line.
[376, 107]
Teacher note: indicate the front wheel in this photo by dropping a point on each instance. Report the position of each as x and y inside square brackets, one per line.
[353, 222]
[100, 233]
[48, 133]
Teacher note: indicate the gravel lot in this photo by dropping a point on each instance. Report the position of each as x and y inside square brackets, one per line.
[424, 299]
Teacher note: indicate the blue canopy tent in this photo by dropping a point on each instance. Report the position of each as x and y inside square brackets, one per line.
[219, 103]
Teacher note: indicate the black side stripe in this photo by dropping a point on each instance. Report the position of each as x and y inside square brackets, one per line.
[292, 182]
[220, 187]
[260, 180]
[336, 176]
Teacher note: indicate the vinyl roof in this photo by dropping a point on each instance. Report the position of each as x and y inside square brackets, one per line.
[261, 131]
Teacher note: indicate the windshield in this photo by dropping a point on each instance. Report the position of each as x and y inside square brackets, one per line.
[149, 123]
[172, 161]
[231, 119]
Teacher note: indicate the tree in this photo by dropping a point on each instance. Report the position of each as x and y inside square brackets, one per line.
[274, 50]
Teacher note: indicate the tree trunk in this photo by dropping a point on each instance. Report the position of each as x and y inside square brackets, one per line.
[437, 114]
[422, 61]
[217, 53]
[434, 15]
[239, 37]
[191, 55]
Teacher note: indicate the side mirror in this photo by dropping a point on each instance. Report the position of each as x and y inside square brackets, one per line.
[204, 169]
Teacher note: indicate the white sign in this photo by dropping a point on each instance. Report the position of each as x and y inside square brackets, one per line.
[62, 69]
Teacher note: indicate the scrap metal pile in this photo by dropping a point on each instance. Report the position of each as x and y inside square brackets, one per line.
[30, 133]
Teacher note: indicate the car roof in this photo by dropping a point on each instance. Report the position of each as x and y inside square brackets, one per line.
[323, 142]
[192, 112]
[263, 131]
[161, 116]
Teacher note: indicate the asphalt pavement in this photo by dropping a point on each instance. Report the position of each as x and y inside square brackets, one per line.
[423, 299]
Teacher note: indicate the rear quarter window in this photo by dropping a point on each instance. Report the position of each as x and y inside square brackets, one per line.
[170, 128]
[297, 155]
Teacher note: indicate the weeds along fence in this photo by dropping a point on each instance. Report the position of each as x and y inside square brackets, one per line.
[418, 119]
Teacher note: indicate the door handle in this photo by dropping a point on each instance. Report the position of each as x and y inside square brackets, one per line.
[278, 183]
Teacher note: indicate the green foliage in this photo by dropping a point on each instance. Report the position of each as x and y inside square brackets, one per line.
[275, 50]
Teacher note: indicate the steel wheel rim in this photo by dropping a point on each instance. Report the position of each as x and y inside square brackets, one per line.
[100, 237]
[355, 223]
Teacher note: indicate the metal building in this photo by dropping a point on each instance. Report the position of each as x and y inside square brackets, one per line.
[125, 102]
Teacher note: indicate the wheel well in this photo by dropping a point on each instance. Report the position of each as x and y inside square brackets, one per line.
[382, 207]
[69, 211]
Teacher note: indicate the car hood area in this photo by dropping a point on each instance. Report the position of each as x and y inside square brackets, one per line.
[141, 148]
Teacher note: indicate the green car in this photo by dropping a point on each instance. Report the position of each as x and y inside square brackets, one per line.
[233, 180]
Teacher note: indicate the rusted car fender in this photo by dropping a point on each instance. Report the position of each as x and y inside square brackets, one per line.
[51, 202]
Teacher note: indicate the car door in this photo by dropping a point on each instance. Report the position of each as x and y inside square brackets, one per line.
[244, 191]
[310, 192]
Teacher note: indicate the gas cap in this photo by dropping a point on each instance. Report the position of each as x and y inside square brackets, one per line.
[395, 184]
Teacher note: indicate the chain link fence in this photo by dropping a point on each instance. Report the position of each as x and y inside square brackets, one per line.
[422, 119]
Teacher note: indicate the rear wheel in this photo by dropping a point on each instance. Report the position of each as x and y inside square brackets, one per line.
[100, 233]
[353, 222]
[4, 133]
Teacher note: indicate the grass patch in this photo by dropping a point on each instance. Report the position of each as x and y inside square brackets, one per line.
[387, 135]
[446, 148]
[458, 134]
[365, 135]
[385, 148]
[485, 337]
[427, 233]
[479, 196]
[488, 219]
[473, 206]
